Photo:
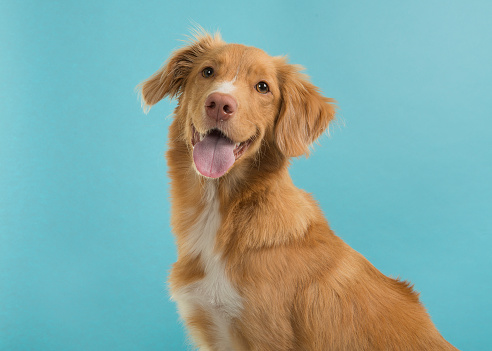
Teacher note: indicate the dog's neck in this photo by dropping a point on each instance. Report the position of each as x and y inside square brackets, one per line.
[239, 195]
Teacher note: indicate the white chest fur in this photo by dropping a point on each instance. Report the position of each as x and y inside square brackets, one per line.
[214, 293]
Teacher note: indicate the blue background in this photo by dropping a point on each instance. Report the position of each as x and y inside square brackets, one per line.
[405, 177]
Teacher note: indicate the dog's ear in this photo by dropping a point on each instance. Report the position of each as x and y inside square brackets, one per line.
[171, 78]
[304, 113]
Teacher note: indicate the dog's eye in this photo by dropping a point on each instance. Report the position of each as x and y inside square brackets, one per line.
[262, 88]
[208, 72]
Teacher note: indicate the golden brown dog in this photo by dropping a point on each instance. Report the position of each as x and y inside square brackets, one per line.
[258, 266]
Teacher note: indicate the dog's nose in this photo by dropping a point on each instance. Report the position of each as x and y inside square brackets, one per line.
[220, 106]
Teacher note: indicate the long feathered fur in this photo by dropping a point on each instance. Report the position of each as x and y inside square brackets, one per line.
[258, 266]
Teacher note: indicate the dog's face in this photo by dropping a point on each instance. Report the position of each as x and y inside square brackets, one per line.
[232, 98]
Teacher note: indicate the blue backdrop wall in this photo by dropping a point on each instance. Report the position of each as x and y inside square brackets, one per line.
[404, 178]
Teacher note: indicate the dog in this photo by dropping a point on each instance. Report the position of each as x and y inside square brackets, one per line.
[258, 266]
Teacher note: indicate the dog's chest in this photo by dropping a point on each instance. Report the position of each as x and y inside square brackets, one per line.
[213, 294]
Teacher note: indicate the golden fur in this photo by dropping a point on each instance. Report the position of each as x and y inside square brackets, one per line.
[300, 286]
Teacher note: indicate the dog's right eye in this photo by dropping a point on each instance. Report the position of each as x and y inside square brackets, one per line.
[208, 72]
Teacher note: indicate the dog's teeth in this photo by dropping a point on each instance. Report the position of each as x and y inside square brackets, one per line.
[202, 136]
[237, 144]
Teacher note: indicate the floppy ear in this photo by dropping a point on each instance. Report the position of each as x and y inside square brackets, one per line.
[171, 78]
[304, 112]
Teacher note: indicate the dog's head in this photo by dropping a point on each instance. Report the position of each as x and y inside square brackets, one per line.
[232, 99]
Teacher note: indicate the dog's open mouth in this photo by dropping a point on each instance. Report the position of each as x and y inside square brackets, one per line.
[214, 153]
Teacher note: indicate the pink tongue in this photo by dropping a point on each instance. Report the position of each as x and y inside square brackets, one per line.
[214, 155]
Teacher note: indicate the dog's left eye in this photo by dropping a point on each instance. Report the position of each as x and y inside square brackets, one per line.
[262, 88]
